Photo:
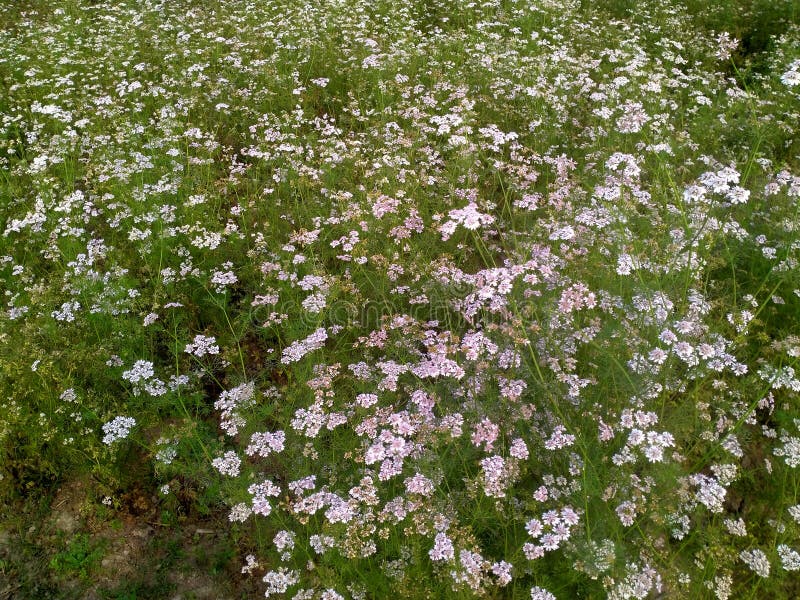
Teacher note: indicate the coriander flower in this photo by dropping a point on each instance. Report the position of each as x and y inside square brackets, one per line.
[117, 429]
[756, 560]
[202, 345]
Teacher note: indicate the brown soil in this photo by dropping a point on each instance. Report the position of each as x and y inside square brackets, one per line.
[192, 559]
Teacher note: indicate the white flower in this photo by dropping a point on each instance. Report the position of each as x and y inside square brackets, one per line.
[756, 560]
[790, 559]
[228, 463]
[202, 345]
[442, 548]
[791, 77]
[117, 429]
[142, 370]
[538, 593]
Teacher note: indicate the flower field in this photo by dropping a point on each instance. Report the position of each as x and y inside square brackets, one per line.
[414, 299]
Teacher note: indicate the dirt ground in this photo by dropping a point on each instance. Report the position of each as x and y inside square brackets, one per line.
[75, 547]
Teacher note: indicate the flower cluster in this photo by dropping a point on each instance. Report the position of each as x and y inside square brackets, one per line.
[202, 345]
[553, 529]
[118, 429]
[503, 294]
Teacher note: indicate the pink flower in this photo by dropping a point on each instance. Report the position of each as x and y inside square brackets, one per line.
[442, 549]
[485, 433]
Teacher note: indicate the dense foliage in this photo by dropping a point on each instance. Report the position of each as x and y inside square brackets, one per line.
[434, 299]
